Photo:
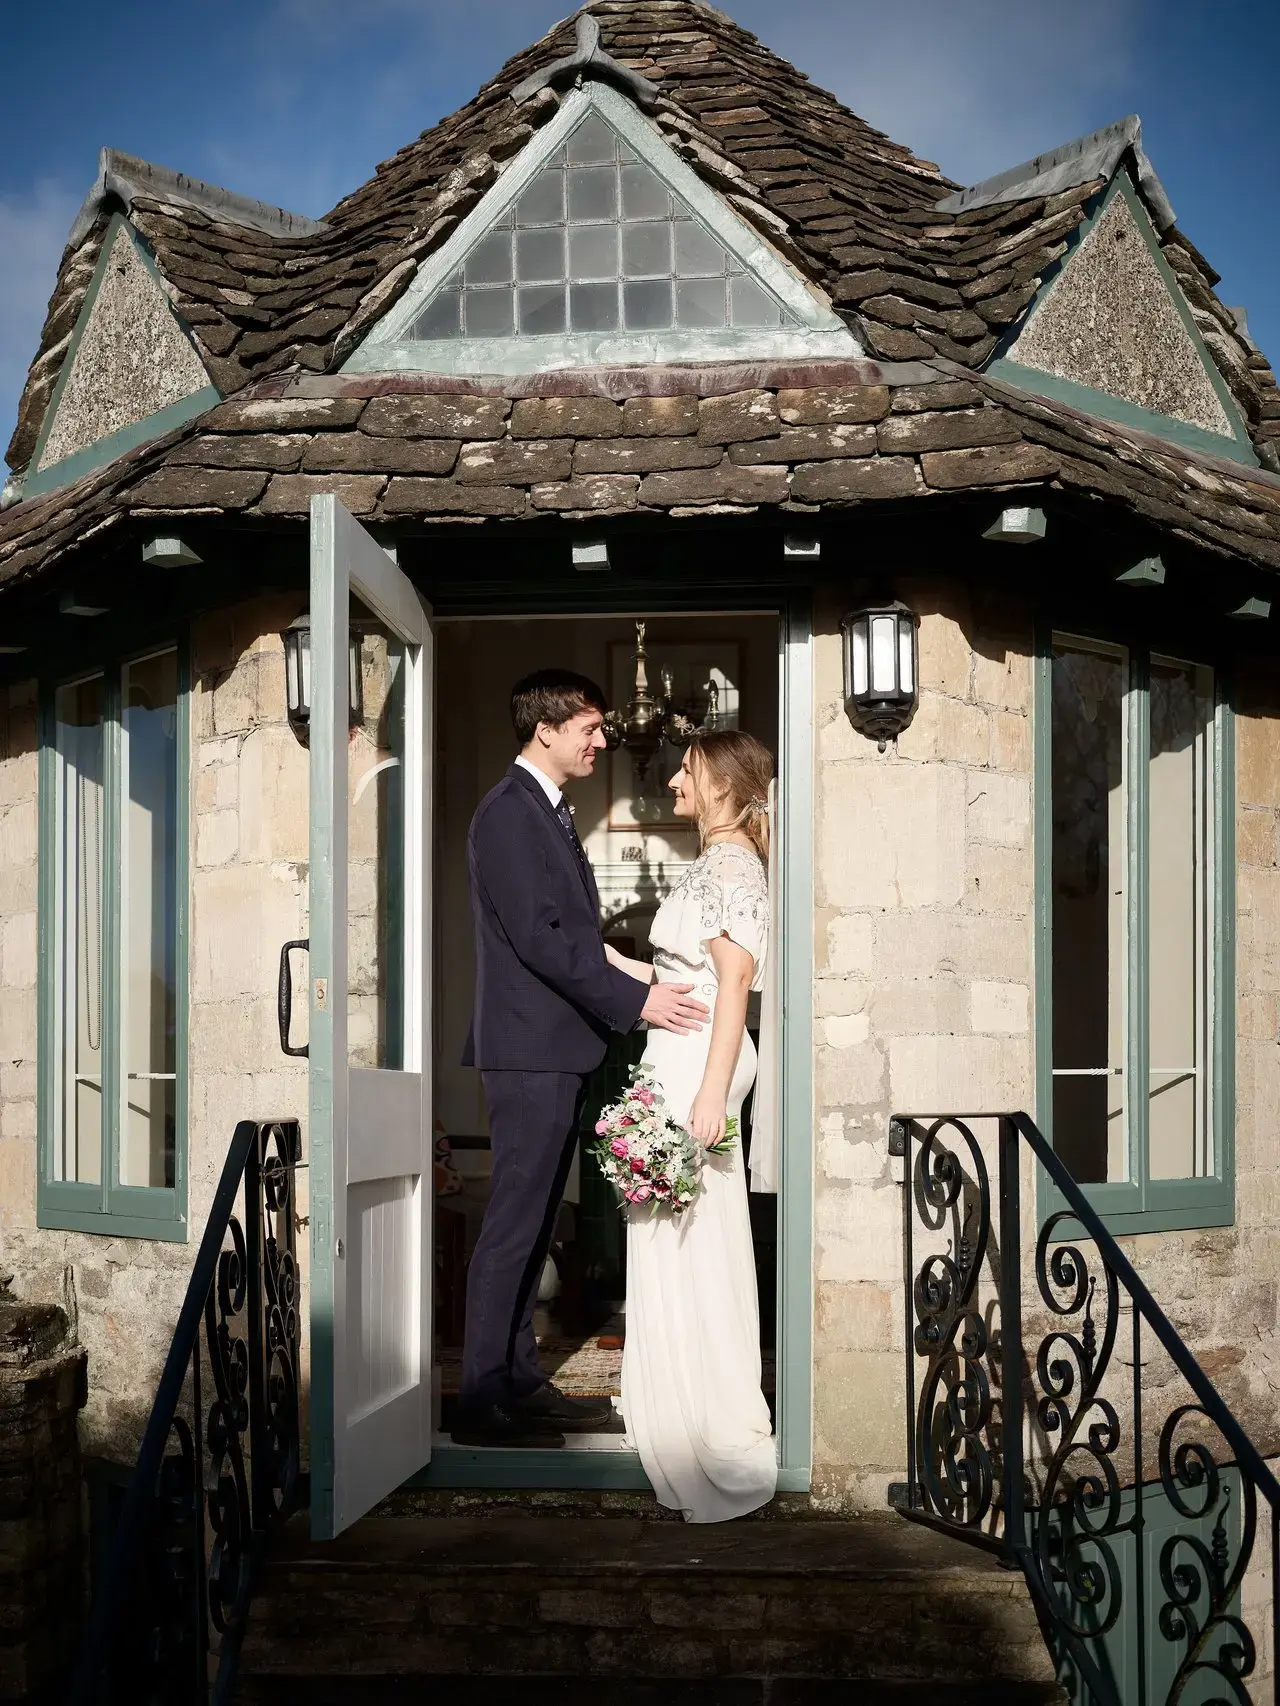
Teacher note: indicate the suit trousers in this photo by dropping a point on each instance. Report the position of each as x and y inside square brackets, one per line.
[533, 1129]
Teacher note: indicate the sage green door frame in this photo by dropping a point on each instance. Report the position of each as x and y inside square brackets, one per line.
[620, 1470]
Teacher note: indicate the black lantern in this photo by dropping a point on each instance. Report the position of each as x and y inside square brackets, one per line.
[297, 677]
[881, 672]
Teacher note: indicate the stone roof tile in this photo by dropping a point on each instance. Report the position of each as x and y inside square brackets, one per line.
[855, 211]
[684, 441]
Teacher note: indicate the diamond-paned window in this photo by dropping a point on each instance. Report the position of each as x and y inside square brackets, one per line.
[596, 242]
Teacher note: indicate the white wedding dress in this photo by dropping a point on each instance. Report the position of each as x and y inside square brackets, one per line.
[691, 1364]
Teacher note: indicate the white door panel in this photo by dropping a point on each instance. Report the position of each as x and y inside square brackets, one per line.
[383, 1139]
[370, 1134]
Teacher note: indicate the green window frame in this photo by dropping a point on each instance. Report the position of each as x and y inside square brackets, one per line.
[114, 835]
[1135, 1197]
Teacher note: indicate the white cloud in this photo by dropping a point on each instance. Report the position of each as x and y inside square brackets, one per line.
[33, 233]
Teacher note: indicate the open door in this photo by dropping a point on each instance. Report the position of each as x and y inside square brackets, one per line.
[370, 1053]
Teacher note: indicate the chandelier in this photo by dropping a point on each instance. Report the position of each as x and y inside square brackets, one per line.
[650, 721]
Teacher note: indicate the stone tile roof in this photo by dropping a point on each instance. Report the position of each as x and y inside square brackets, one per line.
[723, 440]
[855, 212]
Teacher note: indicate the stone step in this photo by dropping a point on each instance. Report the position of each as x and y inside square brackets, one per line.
[616, 1691]
[734, 1607]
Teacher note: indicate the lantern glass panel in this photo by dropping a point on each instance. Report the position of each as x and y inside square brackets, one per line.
[884, 637]
[857, 641]
[906, 654]
[297, 673]
[355, 689]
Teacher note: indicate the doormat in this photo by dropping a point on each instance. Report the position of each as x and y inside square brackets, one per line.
[582, 1368]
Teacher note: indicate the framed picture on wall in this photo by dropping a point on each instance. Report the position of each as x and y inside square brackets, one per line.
[702, 673]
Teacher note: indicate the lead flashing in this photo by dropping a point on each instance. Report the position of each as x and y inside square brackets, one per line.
[124, 178]
[1097, 155]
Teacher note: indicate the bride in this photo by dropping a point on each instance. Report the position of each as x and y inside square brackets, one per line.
[691, 1364]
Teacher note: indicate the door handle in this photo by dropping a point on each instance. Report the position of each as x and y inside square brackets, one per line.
[284, 997]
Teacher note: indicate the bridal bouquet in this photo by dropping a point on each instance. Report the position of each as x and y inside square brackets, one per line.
[646, 1155]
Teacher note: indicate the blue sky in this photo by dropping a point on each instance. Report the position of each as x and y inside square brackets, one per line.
[296, 101]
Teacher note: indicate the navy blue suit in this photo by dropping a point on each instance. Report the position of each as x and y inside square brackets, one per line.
[546, 1000]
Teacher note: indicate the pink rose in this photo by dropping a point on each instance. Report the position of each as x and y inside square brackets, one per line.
[602, 1127]
[637, 1164]
[645, 1096]
[626, 1120]
[619, 1148]
[642, 1193]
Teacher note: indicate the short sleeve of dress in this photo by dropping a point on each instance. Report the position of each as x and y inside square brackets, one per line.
[735, 903]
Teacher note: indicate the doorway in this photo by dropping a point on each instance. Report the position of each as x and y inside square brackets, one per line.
[725, 667]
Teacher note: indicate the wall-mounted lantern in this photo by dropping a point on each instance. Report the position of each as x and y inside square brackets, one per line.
[881, 669]
[297, 677]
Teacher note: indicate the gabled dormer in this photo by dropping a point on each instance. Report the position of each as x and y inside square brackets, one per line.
[131, 372]
[599, 245]
[1109, 329]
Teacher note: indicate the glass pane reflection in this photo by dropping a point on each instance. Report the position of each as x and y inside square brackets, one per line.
[78, 720]
[375, 853]
[1090, 888]
[149, 914]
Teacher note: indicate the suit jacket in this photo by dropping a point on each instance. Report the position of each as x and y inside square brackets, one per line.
[546, 997]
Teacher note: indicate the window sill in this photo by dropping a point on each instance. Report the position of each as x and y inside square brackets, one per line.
[1186, 1218]
[165, 1229]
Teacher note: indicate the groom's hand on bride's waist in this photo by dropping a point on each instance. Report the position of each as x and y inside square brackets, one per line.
[671, 1007]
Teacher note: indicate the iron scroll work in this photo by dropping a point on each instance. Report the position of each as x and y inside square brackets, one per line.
[218, 1469]
[1072, 1432]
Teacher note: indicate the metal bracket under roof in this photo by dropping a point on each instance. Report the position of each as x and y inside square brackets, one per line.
[124, 177]
[588, 60]
[1097, 155]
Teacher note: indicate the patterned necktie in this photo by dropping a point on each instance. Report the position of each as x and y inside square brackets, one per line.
[566, 823]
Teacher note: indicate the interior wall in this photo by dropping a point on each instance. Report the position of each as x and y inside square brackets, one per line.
[477, 664]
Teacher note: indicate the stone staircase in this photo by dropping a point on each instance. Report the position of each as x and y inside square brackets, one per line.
[496, 1602]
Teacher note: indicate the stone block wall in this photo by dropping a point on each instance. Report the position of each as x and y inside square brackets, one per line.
[924, 1002]
[248, 875]
[924, 883]
[923, 997]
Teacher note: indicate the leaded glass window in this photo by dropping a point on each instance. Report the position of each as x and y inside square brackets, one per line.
[597, 243]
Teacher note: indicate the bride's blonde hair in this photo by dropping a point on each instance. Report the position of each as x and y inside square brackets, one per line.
[738, 764]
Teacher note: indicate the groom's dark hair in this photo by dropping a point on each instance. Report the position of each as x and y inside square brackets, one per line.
[551, 696]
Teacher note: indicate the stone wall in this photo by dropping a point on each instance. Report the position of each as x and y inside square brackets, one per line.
[924, 949]
[41, 1535]
[248, 895]
[924, 954]
[923, 999]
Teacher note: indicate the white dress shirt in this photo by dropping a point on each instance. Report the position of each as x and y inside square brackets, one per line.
[554, 794]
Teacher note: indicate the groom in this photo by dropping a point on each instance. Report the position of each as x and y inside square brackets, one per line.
[546, 1000]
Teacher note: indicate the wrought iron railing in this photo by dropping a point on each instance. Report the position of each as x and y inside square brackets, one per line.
[218, 1465]
[1056, 1416]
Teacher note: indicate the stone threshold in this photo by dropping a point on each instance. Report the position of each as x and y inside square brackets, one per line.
[550, 1547]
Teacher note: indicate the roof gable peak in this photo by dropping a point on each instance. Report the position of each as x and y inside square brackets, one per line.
[599, 244]
[1110, 332]
[587, 61]
[1085, 160]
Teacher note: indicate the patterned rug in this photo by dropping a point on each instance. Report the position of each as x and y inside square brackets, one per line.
[582, 1368]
